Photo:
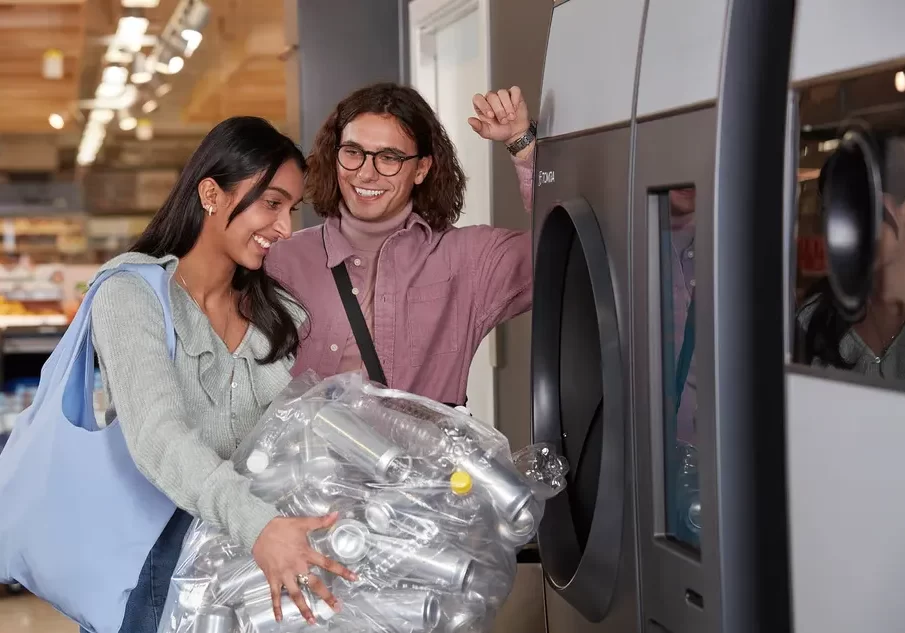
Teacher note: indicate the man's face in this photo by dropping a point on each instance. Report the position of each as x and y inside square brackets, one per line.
[369, 194]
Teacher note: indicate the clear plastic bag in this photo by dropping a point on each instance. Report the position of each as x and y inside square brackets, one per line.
[432, 508]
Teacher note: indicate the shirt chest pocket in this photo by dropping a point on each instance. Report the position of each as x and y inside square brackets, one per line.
[433, 321]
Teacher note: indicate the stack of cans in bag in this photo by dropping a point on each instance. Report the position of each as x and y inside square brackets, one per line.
[432, 509]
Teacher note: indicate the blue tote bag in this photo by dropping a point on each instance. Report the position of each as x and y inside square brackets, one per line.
[77, 518]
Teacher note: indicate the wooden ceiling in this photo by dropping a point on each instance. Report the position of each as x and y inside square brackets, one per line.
[236, 70]
[28, 28]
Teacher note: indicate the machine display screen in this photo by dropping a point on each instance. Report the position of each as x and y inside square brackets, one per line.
[676, 211]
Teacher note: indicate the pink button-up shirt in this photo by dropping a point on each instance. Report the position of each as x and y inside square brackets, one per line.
[433, 295]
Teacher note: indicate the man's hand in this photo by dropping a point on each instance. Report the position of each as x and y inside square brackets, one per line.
[501, 115]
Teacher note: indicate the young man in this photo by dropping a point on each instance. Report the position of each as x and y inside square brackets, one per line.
[384, 175]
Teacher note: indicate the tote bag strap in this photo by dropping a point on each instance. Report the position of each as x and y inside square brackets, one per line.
[78, 401]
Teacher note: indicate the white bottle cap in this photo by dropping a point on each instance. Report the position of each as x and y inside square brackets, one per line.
[257, 462]
[322, 610]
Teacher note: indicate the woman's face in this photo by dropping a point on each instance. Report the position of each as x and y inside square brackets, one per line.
[368, 194]
[248, 239]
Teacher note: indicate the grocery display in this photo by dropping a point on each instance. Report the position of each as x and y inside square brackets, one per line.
[432, 509]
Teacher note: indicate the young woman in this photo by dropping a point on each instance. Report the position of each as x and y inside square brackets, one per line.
[384, 175]
[236, 337]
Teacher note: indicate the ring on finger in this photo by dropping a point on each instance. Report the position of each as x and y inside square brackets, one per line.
[303, 580]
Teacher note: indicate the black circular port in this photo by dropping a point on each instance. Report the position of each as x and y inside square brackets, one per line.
[578, 396]
[852, 205]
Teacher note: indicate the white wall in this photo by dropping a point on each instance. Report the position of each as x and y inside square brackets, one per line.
[450, 65]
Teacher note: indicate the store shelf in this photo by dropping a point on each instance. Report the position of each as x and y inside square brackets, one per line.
[32, 321]
[35, 339]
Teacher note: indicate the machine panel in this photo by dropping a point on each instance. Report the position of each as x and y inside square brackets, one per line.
[589, 72]
[833, 36]
[673, 193]
[847, 517]
[680, 59]
[580, 379]
[845, 384]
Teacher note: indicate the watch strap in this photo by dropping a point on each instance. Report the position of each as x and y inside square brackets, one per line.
[524, 140]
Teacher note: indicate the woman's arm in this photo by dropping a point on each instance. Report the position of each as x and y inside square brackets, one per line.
[128, 329]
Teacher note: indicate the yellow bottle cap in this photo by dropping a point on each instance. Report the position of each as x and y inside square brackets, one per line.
[460, 482]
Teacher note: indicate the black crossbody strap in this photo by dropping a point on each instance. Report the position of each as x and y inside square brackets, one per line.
[359, 325]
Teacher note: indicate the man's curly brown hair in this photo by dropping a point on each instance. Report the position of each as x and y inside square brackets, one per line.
[438, 199]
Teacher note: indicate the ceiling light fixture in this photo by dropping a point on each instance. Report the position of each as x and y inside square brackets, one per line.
[192, 41]
[149, 106]
[175, 64]
[52, 67]
[145, 130]
[900, 81]
[181, 36]
[140, 4]
[193, 22]
[127, 122]
[56, 121]
[128, 40]
[141, 73]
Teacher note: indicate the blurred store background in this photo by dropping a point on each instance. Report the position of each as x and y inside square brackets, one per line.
[103, 101]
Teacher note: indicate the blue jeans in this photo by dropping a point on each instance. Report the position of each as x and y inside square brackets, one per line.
[146, 602]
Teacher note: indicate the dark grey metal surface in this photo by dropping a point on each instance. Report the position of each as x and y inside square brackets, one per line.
[593, 573]
[579, 404]
[748, 326]
[672, 152]
[518, 33]
[343, 45]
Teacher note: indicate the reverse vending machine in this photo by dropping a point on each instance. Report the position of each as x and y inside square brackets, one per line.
[716, 337]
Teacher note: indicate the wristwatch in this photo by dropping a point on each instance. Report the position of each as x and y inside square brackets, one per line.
[524, 140]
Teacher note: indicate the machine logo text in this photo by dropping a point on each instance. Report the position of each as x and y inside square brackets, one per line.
[545, 177]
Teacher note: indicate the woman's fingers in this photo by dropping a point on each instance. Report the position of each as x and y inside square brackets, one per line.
[319, 523]
[319, 587]
[276, 594]
[295, 592]
[330, 565]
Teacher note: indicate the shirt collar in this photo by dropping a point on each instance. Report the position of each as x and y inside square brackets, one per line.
[339, 249]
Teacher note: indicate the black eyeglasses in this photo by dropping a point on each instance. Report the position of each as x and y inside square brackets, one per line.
[386, 162]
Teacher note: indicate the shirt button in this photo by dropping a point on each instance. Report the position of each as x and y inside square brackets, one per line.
[334, 347]
[356, 261]
[234, 385]
[692, 283]
[355, 291]
[690, 254]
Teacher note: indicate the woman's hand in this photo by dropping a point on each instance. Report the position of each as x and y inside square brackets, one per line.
[284, 554]
[502, 115]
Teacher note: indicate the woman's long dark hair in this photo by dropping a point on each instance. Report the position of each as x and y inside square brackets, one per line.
[237, 149]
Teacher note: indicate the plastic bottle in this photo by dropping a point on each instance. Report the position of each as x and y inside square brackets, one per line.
[461, 507]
